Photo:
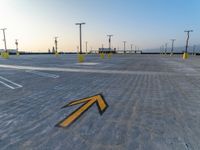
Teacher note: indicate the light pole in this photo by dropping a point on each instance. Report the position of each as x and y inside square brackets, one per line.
[187, 40]
[172, 50]
[102, 48]
[124, 46]
[166, 48]
[4, 38]
[131, 48]
[194, 48]
[16, 43]
[80, 25]
[163, 49]
[160, 49]
[56, 44]
[86, 43]
[109, 41]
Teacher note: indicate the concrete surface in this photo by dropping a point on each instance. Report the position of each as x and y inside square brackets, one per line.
[154, 102]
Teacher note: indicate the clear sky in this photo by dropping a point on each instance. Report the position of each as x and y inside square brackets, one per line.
[145, 23]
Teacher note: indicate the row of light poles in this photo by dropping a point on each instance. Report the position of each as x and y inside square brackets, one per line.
[4, 39]
[173, 40]
[56, 40]
[109, 41]
[110, 36]
[166, 47]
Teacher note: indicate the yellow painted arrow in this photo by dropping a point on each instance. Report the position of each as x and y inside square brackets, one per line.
[87, 103]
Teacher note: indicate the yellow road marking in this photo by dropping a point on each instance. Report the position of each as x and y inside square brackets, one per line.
[88, 102]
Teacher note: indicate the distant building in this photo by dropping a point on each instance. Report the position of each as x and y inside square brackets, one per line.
[107, 50]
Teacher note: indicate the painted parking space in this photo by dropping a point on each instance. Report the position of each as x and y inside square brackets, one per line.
[43, 74]
[8, 83]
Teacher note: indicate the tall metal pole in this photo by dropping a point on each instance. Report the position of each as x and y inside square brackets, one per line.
[163, 49]
[109, 41]
[135, 48]
[166, 48]
[80, 24]
[194, 48]
[160, 49]
[4, 38]
[131, 48]
[86, 46]
[80, 39]
[172, 50]
[187, 40]
[56, 44]
[124, 46]
[16, 43]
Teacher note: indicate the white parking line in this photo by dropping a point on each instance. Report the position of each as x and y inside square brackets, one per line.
[9, 84]
[126, 72]
[87, 64]
[43, 74]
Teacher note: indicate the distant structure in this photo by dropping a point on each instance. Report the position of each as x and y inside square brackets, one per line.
[107, 50]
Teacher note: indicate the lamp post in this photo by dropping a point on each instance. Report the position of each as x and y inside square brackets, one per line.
[187, 40]
[80, 25]
[166, 48]
[4, 36]
[86, 43]
[109, 41]
[56, 44]
[172, 50]
[16, 43]
[124, 46]
[131, 48]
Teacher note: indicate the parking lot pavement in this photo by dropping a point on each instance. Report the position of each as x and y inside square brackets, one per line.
[153, 102]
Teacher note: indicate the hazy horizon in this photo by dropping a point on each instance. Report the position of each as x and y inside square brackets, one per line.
[145, 24]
